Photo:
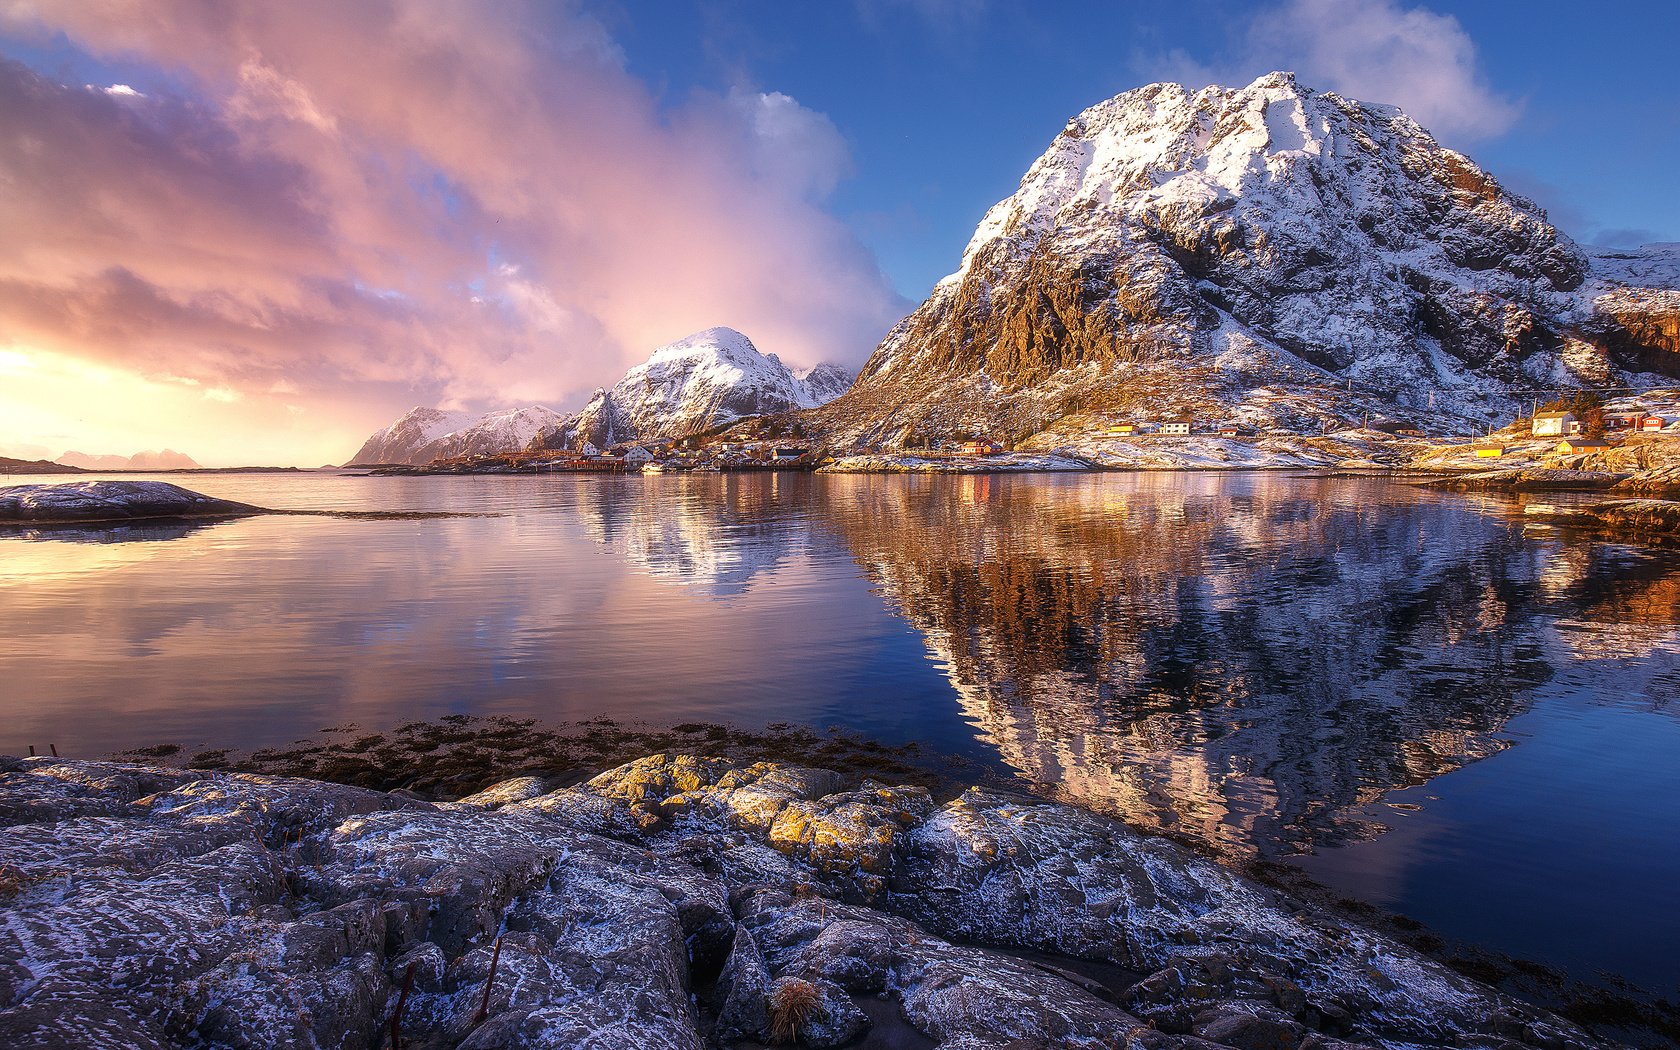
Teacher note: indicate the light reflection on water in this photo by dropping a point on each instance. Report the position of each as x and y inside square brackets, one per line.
[1268, 664]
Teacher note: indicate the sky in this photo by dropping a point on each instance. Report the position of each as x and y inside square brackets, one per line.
[256, 233]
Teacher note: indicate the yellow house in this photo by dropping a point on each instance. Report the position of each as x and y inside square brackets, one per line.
[1579, 445]
[1123, 428]
[1489, 451]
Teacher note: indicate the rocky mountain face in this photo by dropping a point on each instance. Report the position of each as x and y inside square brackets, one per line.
[1274, 248]
[708, 379]
[824, 383]
[167, 459]
[425, 434]
[601, 423]
[1631, 305]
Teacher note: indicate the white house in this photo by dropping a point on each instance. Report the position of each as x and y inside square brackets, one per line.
[1554, 424]
[636, 456]
[589, 449]
[1176, 426]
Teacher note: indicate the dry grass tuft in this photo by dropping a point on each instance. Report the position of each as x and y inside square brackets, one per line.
[791, 1005]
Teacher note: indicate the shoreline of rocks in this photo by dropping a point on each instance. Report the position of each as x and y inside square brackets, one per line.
[674, 901]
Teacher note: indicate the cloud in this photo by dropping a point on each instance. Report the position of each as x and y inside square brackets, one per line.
[392, 202]
[1380, 51]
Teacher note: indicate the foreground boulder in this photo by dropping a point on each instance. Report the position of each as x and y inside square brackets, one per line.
[675, 902]
[83, 501]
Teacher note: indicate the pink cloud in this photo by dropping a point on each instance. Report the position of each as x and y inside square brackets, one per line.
[423, 201]
[1379, 51]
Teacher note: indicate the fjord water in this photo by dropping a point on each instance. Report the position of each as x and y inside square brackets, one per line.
[1424, 703]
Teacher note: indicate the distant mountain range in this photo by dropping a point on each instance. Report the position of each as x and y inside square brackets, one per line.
[167, 459]
[1268, 254]
[709, 379]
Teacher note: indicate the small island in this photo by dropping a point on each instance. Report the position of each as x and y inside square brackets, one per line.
[84, 502]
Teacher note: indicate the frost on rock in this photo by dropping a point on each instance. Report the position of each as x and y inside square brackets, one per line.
[165, 908]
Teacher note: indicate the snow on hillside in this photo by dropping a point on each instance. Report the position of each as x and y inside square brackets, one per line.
[1649, 266]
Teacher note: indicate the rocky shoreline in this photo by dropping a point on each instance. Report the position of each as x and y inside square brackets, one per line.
[674, 901]
[1654, 517]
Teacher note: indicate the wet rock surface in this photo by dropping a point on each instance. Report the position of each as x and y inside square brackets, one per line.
[677, 902]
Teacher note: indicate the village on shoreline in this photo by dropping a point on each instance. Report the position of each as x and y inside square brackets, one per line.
[1627, 436]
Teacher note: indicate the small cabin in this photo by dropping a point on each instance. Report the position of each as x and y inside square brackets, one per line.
[1489, 451]
[979, 448]
[1577, 445]
[1651, 424]
[1176, 426]
[1554, 424]
[1231, 430]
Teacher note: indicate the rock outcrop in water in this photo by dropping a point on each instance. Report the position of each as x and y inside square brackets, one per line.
[115, 501]
[675, 902]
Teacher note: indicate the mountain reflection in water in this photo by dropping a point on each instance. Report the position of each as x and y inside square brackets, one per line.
[1246, 665]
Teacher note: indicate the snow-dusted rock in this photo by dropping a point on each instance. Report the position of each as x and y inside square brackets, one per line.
[111, 501]
[221, 910]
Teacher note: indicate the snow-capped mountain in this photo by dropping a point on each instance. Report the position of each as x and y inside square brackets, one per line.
[425, 434]
[1243, 247]
[707, 379]
[714, 377]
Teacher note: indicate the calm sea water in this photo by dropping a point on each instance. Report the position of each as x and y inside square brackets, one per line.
[1428, 705]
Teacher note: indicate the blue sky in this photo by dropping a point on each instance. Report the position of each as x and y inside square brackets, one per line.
[944, 105]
